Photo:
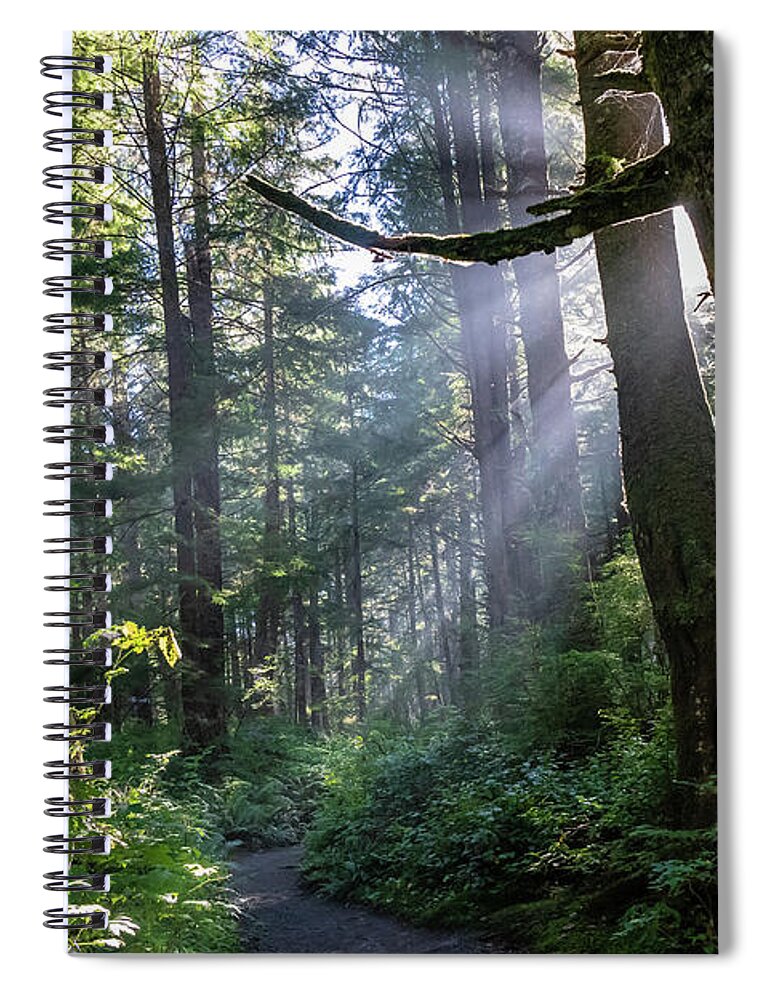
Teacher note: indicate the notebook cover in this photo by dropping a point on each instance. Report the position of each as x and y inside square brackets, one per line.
[411, 645]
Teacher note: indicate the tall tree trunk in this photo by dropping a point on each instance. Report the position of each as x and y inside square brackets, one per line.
[300, 637]
[517, 509]
[477, 290]
[300, 658]
[268, 625]
[469, 638]
[436, 695]
[441, 620]
[249, 640]
[181, 410]
[411, 613]
[355, 597]
[318, 714]
[666, 426]
[133, 578]
[232, 652]
[339, 633]
[554, 434]
[210, 696]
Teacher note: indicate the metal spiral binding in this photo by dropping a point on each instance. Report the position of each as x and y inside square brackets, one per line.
[83, 732]
[60, 920]
[74, 395]
[64, 323]
[84, 247]
[84, 173]
[77, 100]
[82, 694]
[61, 433]
[79, 470]
[58, 806]
[59, 844]
[64, 882]
[60, 285]
[79, 619]
[85, 584]
[67, 770]
[55, 212]
[57, 138]
[100, 583]
[53, 65]
[92, 361]
[89, 508]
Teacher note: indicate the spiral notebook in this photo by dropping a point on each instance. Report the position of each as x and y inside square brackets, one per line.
[382, 491]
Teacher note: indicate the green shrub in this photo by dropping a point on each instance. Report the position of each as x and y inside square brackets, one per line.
[175, 817]
[679, 911]
[569, 693]
[451, 826]
[168, 877]
[438, 827]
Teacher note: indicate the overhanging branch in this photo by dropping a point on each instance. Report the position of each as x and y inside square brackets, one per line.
[328, 222]
[643, 189]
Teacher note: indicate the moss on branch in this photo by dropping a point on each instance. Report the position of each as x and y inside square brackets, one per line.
[643, 189]
[326, 221]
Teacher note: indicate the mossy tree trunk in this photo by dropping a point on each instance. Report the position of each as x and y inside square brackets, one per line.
[666, 426]
[469, 633]
[680, 68]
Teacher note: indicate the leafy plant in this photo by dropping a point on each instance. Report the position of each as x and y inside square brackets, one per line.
[452, 826]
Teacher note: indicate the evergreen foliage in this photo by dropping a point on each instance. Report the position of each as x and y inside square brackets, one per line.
[374, 578]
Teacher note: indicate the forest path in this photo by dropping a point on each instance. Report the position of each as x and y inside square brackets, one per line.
[280, 915]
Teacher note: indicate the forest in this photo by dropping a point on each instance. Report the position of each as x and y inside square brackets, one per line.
[413, 573]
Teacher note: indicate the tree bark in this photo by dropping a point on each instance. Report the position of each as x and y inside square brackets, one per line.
[469, 637]
[554, 433]
[436, 696]
[268, 625]
[680, 67]
[411, 611]
[441, 619]
[517, 507]
[210, 697]
[339, 632]
[300, 637]
[318, 712]
[355, 598]
[481, 303]
[181, 410]
[667, 430]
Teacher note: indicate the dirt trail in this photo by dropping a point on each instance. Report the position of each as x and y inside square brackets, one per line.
[281, 916]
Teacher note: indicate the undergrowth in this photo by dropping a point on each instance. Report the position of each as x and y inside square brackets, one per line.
[453, 828]
[176, 818]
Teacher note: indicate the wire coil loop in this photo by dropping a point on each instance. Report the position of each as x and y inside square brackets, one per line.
[80, 541]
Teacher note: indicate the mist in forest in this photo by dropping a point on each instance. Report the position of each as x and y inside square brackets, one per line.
[413, 553]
